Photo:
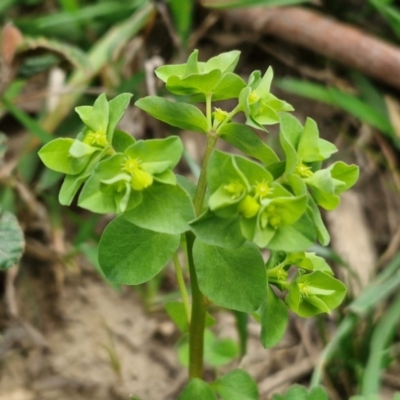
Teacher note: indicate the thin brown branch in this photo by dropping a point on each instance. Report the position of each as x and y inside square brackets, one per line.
[336, 40]
[288, 375]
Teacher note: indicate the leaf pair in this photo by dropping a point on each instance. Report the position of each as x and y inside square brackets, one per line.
[246, 203]
[313, 289]
[235, 385]
[260, 106]
[119, 182]
[78, 158]
[305, 151]
[202, 79]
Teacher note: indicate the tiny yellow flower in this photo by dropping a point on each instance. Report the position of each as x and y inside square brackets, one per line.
[304, 289]
[249, 206]
[219, 115]
[140, 178]
[130, 165]
[281, 274]
[235, 189]
[271, 216]
[262, 189]
[304, 171]
[96, 139]
[253, 97]
[275, 221]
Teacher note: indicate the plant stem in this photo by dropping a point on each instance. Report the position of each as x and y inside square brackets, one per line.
[182, 286]
[198, 317]
[202, 183]
[208, 111]
[229, 117]
[199, 301]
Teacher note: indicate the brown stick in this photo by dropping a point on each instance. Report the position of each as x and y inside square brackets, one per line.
[333, 39]
[287, 375]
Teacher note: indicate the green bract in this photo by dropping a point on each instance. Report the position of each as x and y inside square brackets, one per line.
[304, 151]
[259, 105]
[264, 211]
[117, 183]
[201, 79]
[314, 293]
[313, 290]
[78, 158]
[242, 204]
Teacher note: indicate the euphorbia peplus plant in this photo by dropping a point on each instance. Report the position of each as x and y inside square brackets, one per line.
[241, 205]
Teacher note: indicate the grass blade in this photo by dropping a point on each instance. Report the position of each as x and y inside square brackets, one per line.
[382, 334]
[378, 290]
[99, 56]
[29, 123]
[391, 14]
[250, 3]
[347, 102]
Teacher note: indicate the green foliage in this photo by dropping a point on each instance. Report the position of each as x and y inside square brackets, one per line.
[164, 208]
[360, 106]
[250, 3]
[382, 334]
[176, 310]
[313, 293]
[197, 389]
[273, 317]
[233, 284]
[132, 255]
[390, 12]
[217, 351]
[259, 105]
[236, 385]
[202, 79]
[71, 53]
[182, 13]
[297, 392]
[246, 140]
[11, 240]
[180, 115]
[241, 205]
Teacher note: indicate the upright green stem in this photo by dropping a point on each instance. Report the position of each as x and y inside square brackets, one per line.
[199, 301]
[227, 119]
[198, 317]
[208, 112]
[182, 287]
[202, 184]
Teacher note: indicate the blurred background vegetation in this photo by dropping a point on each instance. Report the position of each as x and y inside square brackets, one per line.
[58, 54]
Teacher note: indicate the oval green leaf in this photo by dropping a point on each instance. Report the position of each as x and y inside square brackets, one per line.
[56, 156]
[11, 240]
[232, 278]
[164, 208]
[197, 389]
[247, 141]
[236, 385]
[274, 317]
[180, 115]
[214, 230]
[132, 255]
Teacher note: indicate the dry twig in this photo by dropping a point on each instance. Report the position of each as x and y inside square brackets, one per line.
[288, 375]
[333, 39]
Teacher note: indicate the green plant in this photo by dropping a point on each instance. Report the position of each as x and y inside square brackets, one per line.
[240, 205]
[12, 240]
[297, 392]
[360, 317]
